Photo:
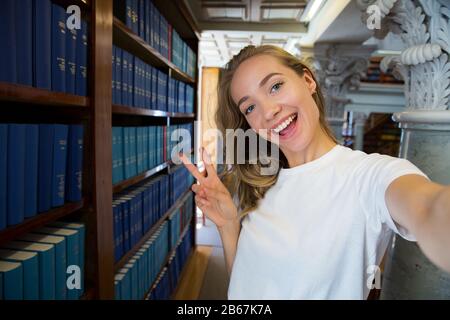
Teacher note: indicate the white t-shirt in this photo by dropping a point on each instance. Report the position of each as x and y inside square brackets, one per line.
[320, 231]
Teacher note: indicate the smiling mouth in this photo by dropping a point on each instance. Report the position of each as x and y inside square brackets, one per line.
[284, 127]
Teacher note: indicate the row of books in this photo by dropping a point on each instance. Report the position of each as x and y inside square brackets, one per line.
[40, 168]
[167, 281]
[136, 277]
[136, 150]
[145, 20]
[41, 50]
[138, 84]
[136, 210]
[180, 181]
[178, 220]
[46, 264]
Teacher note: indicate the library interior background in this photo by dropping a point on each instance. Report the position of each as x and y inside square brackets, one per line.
[92, 205]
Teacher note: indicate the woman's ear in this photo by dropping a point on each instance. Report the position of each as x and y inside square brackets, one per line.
[310, 82]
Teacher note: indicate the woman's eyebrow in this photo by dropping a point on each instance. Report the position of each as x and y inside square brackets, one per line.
[262, 83]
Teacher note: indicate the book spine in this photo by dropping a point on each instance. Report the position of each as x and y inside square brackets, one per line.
[42, 29]
[114, 75]
[131, 83]
[114, 155]
[116, 233]
[120, 154]
[74, 163]
[73, 259]
[16, 173]
[141, 18]
[58, 49]
[59, 164]
[126, 226]
[3, 172]
[81, 59]
[147, 22]
[47, 271]
[156, 30]
[118, 68]
[61, 291]
[31, 169]
[135, 16]
[126, 151]
[24, 41]
[154, 86]
[46, 132]
[8, 58]
[12, 286]
[71, 62]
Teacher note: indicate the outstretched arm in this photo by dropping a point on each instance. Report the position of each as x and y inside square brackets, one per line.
[423, 207]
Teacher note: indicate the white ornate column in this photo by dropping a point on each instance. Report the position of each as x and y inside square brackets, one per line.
[339, 68]
[424, 26]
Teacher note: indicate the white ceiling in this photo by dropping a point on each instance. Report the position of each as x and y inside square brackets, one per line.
[228, 26]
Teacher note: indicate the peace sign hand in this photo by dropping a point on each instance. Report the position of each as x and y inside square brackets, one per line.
[212, 197]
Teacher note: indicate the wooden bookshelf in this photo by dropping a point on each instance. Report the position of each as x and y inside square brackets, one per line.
[119, 109]
[39, 220]
[24, 94]
[183, 233]
[95, 210]
[136, 179]
[150, 232]
[128, 40]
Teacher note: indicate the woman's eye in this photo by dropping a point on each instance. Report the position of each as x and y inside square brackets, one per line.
[249, 109]
[276, 87]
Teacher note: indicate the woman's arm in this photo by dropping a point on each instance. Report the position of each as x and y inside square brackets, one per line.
[229, 234]
[423, 207]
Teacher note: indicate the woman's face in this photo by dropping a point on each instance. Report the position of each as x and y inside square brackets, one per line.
[274, 97]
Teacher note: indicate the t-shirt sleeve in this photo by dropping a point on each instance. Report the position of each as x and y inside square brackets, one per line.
[374, 175]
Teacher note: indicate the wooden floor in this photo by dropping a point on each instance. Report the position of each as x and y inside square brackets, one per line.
[191, 279]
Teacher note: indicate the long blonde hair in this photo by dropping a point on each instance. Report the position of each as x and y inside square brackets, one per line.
[245, 180]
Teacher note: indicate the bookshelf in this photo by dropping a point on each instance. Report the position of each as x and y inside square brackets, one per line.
[98, 114]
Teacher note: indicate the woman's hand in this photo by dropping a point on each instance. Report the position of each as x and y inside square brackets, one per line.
[212, 197]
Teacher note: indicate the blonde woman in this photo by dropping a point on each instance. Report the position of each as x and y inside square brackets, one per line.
[312, 230]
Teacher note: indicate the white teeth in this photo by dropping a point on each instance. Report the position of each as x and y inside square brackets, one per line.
[284, 124]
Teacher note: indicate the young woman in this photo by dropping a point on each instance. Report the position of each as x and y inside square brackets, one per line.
[315, 228]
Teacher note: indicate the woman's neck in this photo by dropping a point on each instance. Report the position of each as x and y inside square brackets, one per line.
[321, 145]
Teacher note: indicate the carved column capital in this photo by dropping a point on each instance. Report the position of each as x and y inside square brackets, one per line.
[339, 68]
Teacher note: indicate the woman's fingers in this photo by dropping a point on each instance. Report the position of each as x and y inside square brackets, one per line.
[208, 163]
[192, 168]
[215, 194]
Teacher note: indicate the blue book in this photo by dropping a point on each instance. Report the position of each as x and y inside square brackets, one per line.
[125, 285]
[154, 89]
[71, 62]
[81, 228]
[118, 245]
[122, 10]
[124, 72]
[133, 150]
[135, 16]
[132, 220]
[72, 252]
[126, 152]
[81, 59]
[147, 23]
[120, 154]
[140, 152]
[3, 172]
[141, 273]
[60, 259]
[31, 169]
[115, 155]
[145, 148]
[126, 224]
[131, 83]
[181, 97]
[114, 75]
[8, 58]
[30, 265]
[46, 256]
[58, 48]
[46, 133]
[118, 73]
[131, 267]
[135, 82]
[163, 41]
[59, 164]
[74, 181]
[24, 41]
[12, 278]
[16, 173]
[117, 292]
[141, 18]
[148, 86]
[156, 31]
[42, 44]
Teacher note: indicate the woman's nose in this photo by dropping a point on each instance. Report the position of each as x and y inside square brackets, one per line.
[271, 110]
